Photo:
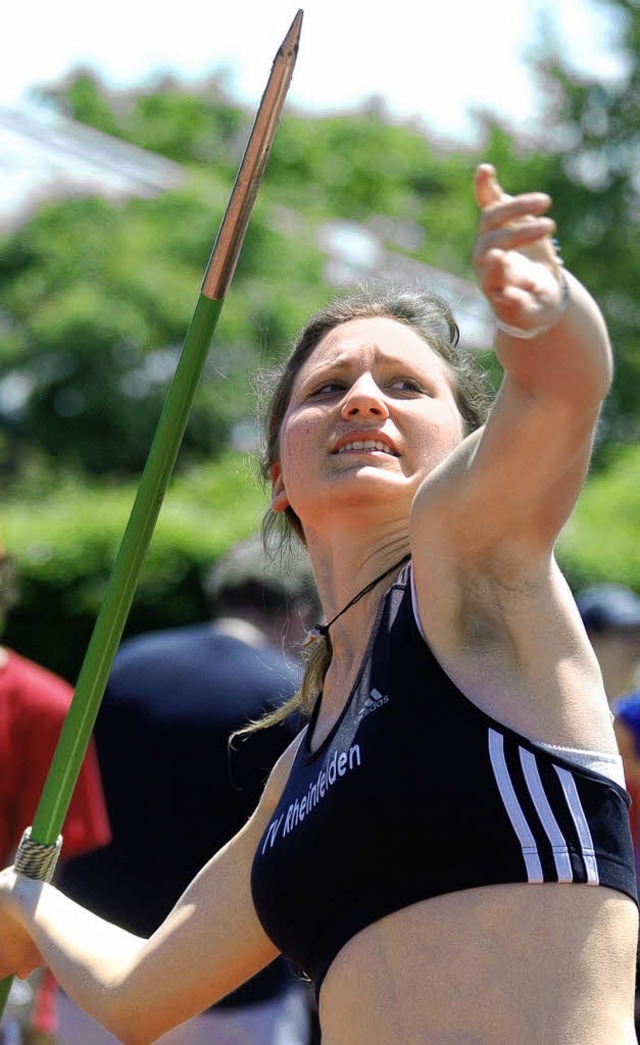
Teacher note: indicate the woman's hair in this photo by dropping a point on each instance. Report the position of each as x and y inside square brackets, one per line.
[432, 319]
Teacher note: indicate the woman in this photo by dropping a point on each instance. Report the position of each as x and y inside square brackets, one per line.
[445, 848]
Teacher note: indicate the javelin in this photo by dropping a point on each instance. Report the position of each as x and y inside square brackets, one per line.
[41, 842]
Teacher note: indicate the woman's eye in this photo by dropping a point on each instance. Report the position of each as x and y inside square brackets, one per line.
[398, 385]
[406, 384]
[327, 388]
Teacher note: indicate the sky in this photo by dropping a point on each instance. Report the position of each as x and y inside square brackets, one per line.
[430, 63]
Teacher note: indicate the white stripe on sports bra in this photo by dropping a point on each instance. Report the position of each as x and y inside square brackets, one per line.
[526, 838]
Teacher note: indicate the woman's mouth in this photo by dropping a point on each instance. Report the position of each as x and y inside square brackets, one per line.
[367, 445]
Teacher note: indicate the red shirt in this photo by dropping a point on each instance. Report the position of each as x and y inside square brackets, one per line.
[33, 706]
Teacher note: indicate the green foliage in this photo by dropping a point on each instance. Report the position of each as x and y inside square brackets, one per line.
[600, 543]
[100, 298]
[188, 128]
[203, 128]
[594, 182]
[65, 538]
[83, 98]
[357, 166]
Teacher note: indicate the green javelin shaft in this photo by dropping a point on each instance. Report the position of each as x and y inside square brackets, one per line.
[92, 679]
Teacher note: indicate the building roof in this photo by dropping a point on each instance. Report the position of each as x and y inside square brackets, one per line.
[44, 155]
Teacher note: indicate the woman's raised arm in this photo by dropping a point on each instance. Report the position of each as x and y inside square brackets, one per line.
[515, 482]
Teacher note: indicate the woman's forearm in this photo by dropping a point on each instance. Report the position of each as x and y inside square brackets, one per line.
[88, 956]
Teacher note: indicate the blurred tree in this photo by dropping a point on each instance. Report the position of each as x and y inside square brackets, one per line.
[97, 298]
[600, 543]
[65, 536]
[593, 141]
[206, 127]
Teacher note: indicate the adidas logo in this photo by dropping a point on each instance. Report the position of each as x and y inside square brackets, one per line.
[375, 700]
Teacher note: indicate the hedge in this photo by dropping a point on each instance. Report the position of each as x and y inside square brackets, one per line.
[65, 544]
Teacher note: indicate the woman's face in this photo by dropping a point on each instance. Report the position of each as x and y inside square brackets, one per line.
[371, 412]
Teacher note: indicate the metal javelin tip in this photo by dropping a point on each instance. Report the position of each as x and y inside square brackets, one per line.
[226, 249]
[292, 38]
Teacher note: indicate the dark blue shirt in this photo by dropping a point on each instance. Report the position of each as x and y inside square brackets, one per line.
[175, 792]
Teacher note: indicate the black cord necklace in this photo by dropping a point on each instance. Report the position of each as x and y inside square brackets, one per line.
[322, 630]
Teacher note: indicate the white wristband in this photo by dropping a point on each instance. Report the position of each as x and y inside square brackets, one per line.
[525, 335]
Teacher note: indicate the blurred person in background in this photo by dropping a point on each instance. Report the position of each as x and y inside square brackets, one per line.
[177, 791]
[611, 616]
[33, 706]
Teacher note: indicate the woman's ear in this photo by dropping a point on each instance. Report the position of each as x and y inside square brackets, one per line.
[279, 499]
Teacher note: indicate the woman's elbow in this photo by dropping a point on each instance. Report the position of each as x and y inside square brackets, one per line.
[134, 1027]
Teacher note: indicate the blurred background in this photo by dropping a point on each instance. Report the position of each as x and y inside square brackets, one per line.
[120, 136]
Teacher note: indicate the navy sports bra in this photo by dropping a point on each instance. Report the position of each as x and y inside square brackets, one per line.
[416, 792]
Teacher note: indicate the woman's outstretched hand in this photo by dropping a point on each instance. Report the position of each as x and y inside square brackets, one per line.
[515, 258]
[18, 954]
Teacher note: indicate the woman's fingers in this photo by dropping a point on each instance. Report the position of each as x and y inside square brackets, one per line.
[517, 210]
[503, 276]
[512, 223]
[18, 953]
[514, 256]
[521, 219]
[514, 237]
[487, 189]
[518, 289]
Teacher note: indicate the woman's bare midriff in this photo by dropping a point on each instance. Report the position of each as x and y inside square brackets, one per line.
[503, 965]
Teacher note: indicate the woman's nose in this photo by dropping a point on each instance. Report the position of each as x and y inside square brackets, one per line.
[364, 397]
